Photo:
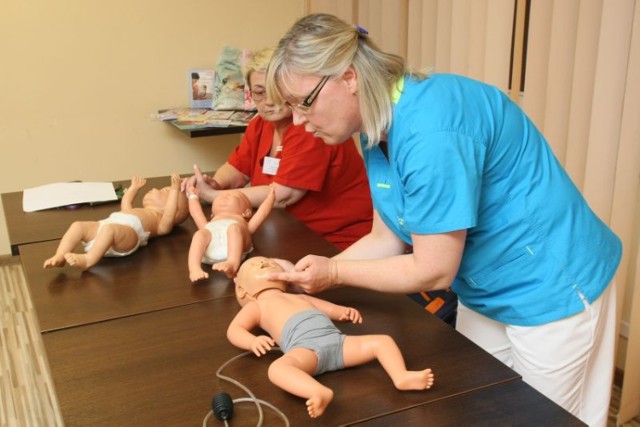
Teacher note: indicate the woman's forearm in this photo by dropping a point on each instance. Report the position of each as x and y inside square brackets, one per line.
[372, 246]
[381, 242]
[285, 196]
[397, 274]
[228, 177]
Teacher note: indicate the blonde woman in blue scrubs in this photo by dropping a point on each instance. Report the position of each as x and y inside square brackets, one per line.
[460, 174]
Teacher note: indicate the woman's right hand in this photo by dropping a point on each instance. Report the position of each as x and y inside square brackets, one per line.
[204, 183]
[205, 179]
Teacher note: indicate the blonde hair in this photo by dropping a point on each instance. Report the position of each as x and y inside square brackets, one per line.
[259, 61]
[322, 44]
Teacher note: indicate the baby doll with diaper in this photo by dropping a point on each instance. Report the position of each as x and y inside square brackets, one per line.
[123, 232]
[224, 240]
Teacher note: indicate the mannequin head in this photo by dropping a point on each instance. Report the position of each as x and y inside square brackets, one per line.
[251, 278]
[157, 199]
[232, 202]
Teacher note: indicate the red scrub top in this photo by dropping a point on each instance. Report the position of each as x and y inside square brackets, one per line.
[337, 204]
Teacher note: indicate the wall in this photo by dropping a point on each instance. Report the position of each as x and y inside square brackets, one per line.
[81, 79]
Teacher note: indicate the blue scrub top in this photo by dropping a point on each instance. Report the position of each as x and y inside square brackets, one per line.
[461, 155]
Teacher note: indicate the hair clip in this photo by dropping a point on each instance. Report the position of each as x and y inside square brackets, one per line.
[361, 31]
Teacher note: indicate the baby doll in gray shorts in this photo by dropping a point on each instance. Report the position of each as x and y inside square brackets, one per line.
[303, 327]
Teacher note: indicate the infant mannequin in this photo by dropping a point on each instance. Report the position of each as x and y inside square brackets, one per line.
[126, 230]
[302, 326]
[225, 239]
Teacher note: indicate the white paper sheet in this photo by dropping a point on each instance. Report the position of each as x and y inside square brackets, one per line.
[66, 193]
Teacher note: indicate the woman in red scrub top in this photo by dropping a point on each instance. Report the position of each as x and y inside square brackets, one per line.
[323, 186]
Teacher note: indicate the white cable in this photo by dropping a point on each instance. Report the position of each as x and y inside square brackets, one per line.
[238, 384]
[251, 399]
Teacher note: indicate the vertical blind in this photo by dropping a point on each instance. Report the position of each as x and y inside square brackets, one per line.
[581, 89]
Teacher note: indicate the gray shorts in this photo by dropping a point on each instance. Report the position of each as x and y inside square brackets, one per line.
[313, 330]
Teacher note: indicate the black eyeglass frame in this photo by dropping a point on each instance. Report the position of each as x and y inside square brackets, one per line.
[305, 105]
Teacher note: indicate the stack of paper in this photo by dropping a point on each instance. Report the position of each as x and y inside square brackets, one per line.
[66, 193]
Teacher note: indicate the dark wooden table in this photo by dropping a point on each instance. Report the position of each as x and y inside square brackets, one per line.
[133, 342]
[511, 403]
[160, 367]
[153, 278]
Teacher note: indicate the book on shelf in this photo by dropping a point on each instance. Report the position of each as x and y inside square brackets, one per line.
[201, 87]
[180, 113]
[242, 118]
[202, 118]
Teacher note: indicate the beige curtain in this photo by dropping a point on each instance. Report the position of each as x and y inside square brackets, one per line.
[582, 89]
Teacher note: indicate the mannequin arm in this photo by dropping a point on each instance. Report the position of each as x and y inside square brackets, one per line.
[167, 221]
[195, 208]
[336, 312]
[238, 332]
[130, 194]
[263, 211]
[196, 212]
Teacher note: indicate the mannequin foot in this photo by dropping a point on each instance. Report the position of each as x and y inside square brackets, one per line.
[319, 402]
[227, 268]
[77, 260]
[415, 380]
[55, 261]
[197, 275]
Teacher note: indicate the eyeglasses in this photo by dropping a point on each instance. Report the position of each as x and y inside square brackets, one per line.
[305, 105]
[258, 95]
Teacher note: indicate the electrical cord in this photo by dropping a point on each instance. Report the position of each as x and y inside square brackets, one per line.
[224, 411]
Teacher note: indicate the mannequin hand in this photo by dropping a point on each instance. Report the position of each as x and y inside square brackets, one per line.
[350, 314]
[262, 344]
[312, 274]
[137, 182]
[175, 181]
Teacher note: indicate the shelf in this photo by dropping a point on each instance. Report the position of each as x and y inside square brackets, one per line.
[199, 122]
[213, 131]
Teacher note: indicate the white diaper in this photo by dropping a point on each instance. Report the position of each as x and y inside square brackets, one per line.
[122, 219]
[217, 249]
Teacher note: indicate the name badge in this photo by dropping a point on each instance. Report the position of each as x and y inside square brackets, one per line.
[270, 165]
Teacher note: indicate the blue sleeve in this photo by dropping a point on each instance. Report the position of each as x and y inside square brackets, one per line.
[441, 176]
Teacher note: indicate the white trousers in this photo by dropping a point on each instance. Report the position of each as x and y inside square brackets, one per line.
[570, 360]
